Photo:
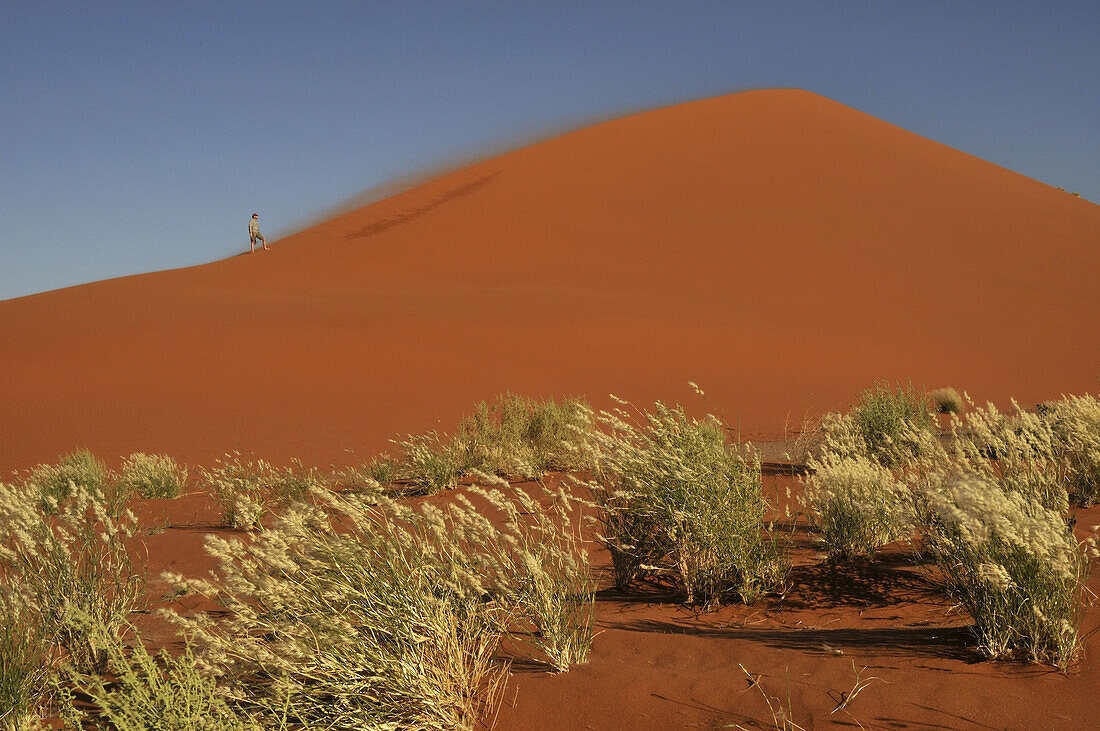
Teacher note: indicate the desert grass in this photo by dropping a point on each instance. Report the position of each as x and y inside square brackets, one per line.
[147, 692]
[882, 416]
[1019, 452]
[947, 401]
[518, 436]
[153, 475]
[430, 462]
[1014, 565]
[856, 504]
[672, 497]
[544, 556]
[57, 482]
[1075, 421]
[69, 565]
[512, 437]
[24, 662]
[249, 489]
[350, 613]
[60, 564]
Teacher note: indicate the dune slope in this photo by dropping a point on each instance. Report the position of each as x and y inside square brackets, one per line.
[778, 248]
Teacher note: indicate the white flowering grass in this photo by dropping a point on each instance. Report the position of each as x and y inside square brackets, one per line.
[1013, 564]
[247, 490]
[856, 504]
[672, 497]
[68, 566]
[1019, 452]
[350, 615]
[1075, 421]
[153, 475]
[546, 574]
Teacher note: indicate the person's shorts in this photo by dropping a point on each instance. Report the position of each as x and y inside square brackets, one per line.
[257, 237]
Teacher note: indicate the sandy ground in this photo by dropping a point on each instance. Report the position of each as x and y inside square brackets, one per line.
[780, 249]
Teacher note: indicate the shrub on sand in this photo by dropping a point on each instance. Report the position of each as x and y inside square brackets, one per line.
[153, 476]
[947, 401]
[513, 436]
[1014, 564]
[857, 504]
[57, 482]
[349, 615]
[1075, 421]
[523, 437]
[430, 462]
[880, 418]
[671, 496]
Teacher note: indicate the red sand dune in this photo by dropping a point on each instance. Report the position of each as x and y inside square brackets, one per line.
[778, 248]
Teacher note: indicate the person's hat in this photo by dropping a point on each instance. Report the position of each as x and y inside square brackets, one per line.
[255, 215]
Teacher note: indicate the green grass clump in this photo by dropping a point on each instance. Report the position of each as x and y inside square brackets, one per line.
[431, 462]
[1014, 564]
[153, 476]
[513, 437]
[947, 401]
[881, 417]
[672, 497]
[56, 483]
[148, 692]
[856, 504]
[522, 437]
[24, 662]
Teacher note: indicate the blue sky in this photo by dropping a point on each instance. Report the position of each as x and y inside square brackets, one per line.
[137, 136]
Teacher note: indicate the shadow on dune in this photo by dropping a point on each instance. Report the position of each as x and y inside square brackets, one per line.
[384, 224]
[889, 581]
[949, 643]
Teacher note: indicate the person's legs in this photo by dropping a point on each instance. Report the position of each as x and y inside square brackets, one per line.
[263, 241]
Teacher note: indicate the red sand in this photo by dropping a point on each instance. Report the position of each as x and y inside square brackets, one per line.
[778, 248]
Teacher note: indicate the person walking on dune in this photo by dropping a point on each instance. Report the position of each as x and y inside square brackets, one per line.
[254, 233]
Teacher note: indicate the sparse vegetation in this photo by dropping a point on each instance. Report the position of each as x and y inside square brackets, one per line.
[354, 610]
[673, 497]
[153, 476]
[947, 401]
[857, 504]
[404, 607]
[148, 692]
[881, 417]
[1014, 564]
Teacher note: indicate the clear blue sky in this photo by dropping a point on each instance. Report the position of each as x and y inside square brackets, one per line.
[137, 136]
